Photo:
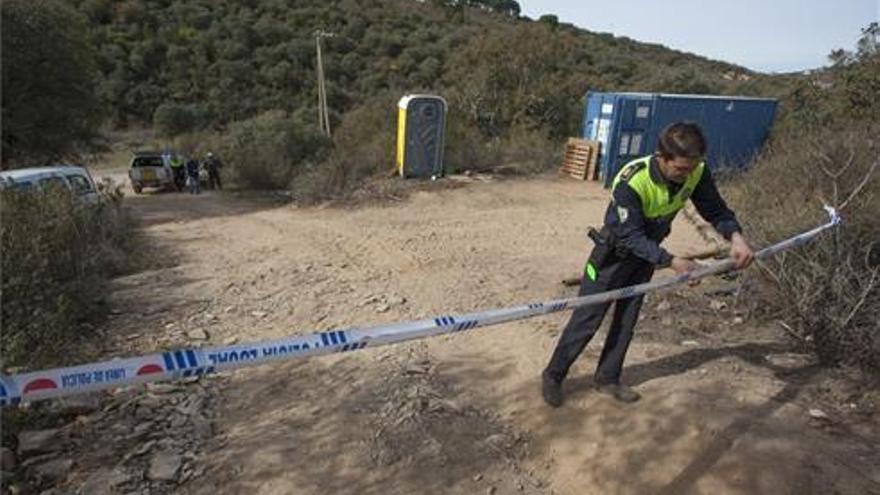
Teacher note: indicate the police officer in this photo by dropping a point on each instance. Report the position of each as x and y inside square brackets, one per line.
[192, 173]
[178, 172]
[647, 193]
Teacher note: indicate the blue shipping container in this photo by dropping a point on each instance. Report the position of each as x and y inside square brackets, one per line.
[628, 125]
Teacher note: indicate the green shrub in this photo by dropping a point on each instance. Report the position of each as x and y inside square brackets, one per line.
[172, 119]
[550, 20]
[57, 256]
[466, 149]
[520, 151]
[268, 151]
[364, 146]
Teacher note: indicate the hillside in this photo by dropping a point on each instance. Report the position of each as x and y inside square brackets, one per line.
[220, 61]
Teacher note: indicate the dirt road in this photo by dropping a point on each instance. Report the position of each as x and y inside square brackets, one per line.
[725, 406]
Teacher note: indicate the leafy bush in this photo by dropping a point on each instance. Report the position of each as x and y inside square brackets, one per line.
[859, 76]
[267, 151]
[520, 151]
[517, 79]
[57, 256]
[466, 148]
[549, 19]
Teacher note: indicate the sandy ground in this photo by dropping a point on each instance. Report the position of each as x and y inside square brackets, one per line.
[724, 409]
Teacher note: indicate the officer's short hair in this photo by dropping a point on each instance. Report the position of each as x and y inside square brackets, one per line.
[682, 139]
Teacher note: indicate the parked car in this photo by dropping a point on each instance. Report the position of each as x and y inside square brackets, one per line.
[76, 179]
[151, 169]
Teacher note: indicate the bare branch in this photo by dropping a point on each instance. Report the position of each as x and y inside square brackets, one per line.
[818, 151]
[790, 331]
[827, 172]
[861, 299]
[849, 161]
[861, 185]
[769, 272]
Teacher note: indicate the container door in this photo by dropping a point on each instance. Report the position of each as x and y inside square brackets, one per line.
[635, 122]
[602, 131]
[630, 141]
[425, 122]
[591, 115]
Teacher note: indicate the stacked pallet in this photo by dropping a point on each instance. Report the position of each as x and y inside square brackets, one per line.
[581, 159]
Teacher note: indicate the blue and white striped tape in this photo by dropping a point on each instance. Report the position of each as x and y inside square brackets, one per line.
[60, 382]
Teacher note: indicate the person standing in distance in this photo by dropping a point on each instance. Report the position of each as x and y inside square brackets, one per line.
[213, 166]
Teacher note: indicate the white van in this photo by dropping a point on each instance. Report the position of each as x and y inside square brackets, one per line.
[77, 179]
[151, 169]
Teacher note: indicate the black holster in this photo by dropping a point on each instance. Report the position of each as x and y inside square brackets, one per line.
[604, 252]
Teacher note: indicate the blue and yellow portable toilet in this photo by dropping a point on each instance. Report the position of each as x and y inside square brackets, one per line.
[421, 129]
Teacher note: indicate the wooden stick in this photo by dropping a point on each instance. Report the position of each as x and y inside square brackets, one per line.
[699, 255]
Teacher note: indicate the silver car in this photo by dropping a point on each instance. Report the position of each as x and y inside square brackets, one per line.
[76, 179]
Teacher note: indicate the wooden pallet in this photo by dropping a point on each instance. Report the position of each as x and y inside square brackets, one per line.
[581, 159]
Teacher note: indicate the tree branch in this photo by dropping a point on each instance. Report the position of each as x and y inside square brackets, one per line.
[861, 299]
[861, 185]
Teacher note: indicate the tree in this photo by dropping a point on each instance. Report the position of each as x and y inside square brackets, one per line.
[172, 119]
[858, 75]
[861, 79]
[550, 20]
[869, 44]
[50, 109]
[515, 80]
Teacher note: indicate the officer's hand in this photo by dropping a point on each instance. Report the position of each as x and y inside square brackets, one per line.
[740, 251]
[684, 265]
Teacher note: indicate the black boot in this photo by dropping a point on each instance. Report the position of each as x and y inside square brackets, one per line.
[619, 391]
[551, 390]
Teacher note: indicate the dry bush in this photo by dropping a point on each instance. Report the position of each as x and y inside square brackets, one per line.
[828, 292]
[519, 151]
[526, 151]
[330, 179]
[466, 148]
[56, 257]
[363, 147]
[196, 144]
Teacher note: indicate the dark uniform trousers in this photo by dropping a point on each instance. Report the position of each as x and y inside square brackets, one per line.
[612, 272]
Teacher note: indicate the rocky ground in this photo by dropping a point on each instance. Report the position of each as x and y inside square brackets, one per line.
[729, 406]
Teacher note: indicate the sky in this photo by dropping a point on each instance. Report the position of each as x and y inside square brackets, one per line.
[762, 35]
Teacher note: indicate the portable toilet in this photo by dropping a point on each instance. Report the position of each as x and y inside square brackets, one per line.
[421, 126]
[629, 124]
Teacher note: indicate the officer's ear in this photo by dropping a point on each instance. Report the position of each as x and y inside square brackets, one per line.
[664, 156]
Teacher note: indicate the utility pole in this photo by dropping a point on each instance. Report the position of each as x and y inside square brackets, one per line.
[323, 114]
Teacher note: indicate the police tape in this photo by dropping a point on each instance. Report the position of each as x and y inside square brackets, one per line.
[60, 382]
